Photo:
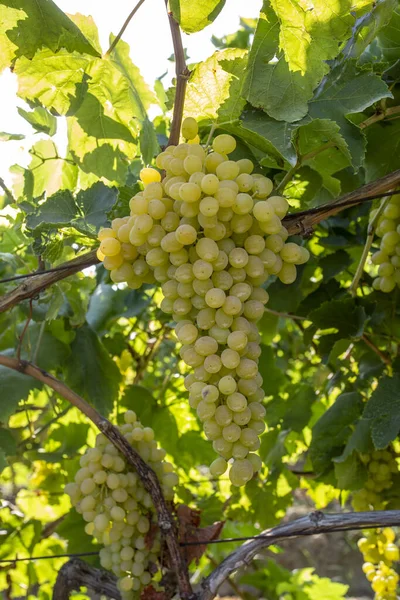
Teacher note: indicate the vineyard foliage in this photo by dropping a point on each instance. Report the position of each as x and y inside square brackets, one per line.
[311, 94]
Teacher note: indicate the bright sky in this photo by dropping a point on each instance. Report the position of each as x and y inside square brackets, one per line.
[149, 38]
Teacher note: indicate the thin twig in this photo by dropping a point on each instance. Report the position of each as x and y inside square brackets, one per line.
[21, 337]
[384, 357]
[6, 190]
[146, 474]
[124, 26]
[312, 524]
[300, 162]
[182, 76]
[367, 246]
[285, 315]
[379, 116]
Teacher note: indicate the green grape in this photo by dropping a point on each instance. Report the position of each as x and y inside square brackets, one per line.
[189, 128]
[224, 144]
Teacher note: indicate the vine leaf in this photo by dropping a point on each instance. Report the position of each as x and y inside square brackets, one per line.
[289, 53]
[383, 408]
[381, 158]
[214, 89]
[190, 531]
[194, 15]
[14, 388]
[86, 213]
[347, 91]
[40, 119]
[88, 355]
[28, 26]
[141, 97]
[102, 133]
[54, 80]
[332, 430]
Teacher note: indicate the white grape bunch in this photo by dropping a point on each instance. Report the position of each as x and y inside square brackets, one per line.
[379, 548]
[210, 233]
[118, 510]
[387, 258]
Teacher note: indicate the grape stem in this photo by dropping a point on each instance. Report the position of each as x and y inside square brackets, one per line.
[182, 76]
[299, 223]
[124, 26]
[368, 243]
[146, 474]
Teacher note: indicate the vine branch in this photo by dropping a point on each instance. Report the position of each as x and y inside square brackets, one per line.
[75, 574]
[124, 26]
[316, 522]
[146, 474]
[300, 223]
[182, 76]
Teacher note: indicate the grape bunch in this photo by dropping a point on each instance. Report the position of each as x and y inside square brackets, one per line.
[379, 552]
[116, 507]
[387, 258]
[378, 547]
[210, 234]
[381, 465]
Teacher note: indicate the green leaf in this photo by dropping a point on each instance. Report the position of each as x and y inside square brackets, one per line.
[298, 407]
[58, 211]
[381, 158]
[46, 167]
[332, 430]
[194, 15]
[343, 315]
[6, 137]
[360, 440]
[49, 352]
[54, 80]
[94, 204]
[8, 447]
[86, 213]
[383, 408]
[139, 399]
[14, 388]
[141, 98]
[27, 26]
[289, 55]
[334, 264]
[40, 119]
[322, 147]
[351, 473]
[88, 356]
[347, 91]
[272, 376]
[214, 88]
[89, 29]
[101, 134]
[71, 437]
